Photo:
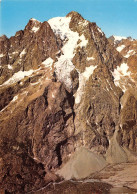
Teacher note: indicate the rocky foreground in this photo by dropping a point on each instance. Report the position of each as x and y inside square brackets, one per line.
[68, 109]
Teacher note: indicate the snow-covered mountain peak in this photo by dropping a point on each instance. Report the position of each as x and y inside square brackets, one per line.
[119, 38]
[60, 26]
[34, 20]
[64, 65]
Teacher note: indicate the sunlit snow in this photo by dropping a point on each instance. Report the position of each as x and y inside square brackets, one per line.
[15, 52]
[120, 48]
[129, 53]
[33, 19]
[90, 58]
[119, 38]
[64, 65]
[15, 98]
[83, 42]
[83, 23]
[18, 76]
[100, 31]
[35, 29]
[1, 55]
[53, 96]
[120, 72]
[22, 53]
[83, 77]
[48, 62]
[9, 66]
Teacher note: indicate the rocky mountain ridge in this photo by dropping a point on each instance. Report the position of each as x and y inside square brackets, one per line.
[64, 87]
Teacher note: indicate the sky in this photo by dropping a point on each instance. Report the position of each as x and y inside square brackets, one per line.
[114, 17]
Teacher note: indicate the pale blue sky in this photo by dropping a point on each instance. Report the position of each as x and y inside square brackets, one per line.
[118, 17]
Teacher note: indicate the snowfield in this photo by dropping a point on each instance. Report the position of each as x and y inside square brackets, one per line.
[64, 65]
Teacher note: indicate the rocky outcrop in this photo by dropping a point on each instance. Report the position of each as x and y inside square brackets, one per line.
[63, 86]
[27, 49]
[127, 46]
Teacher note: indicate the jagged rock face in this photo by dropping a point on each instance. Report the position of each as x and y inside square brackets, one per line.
[94, 121]
[62, 87]
[127, 47]
[27, 49]
[128, 121]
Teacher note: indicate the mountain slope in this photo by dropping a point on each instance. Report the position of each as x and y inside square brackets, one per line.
[63, 86]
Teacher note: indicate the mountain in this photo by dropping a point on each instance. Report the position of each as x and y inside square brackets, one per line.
[125, 45]
[68, 103]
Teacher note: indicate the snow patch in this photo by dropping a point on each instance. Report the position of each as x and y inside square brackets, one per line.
[90, 58]
[18, 76]
[83, 77]
[83, 42]
[88, 72]
[21, 83]
[22, 53]
[120, 72]
[9, 66]
[107, 88]
[130, 53]
[15, 98]
[33, 84]
[48, 62]
[25, 93]
[83, 23]
[20, 60]
[33, 19]
[15, 52]
[4, 108]
[120, 48]
[100, 31]
[121, 105]
[48, 79]
[1, 55]
[53, 96]
[35, 29]
[119, 38]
